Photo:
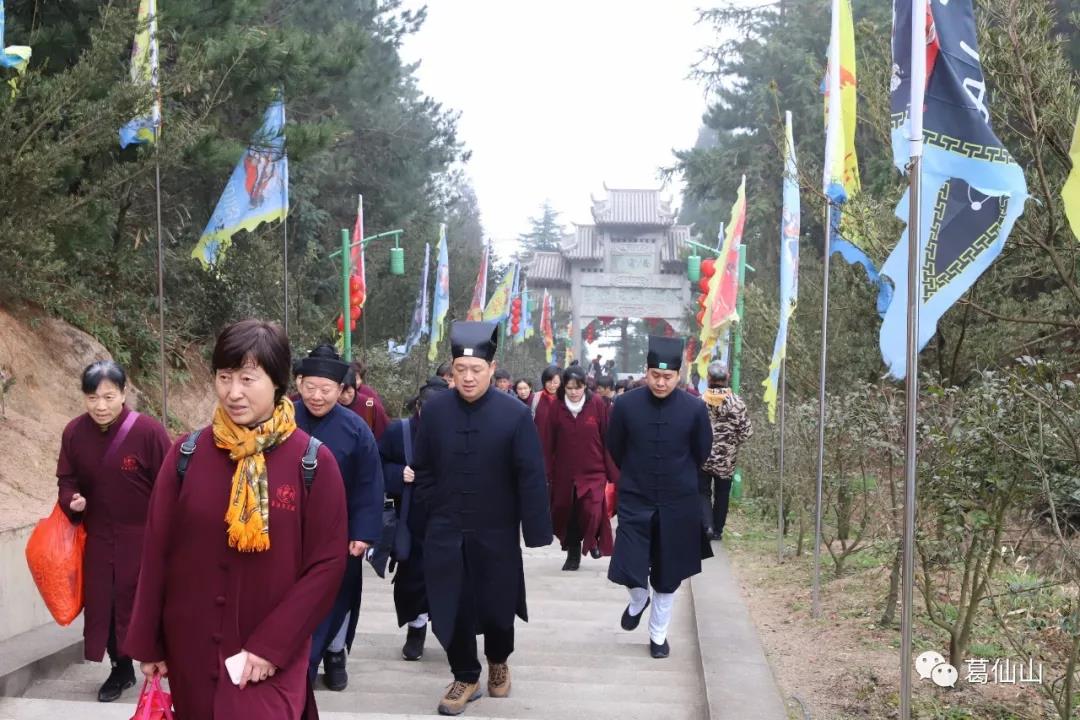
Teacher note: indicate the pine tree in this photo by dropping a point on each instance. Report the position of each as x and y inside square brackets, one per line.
[546, 232]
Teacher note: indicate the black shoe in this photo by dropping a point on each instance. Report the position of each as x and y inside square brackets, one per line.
[630, 622]
[595, 553]
[335, 677]
[715, 535]
[659, 651]
[120, 679]
[414, 643]
[573, 560]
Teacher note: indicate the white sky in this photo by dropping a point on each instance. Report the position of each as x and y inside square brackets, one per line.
[559, 97]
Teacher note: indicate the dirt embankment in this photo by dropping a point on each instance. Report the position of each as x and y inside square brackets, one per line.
[45, 357]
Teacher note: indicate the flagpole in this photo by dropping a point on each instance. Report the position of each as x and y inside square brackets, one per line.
[911, 385]
[815, 602]
[780, 502]
[285, 235]
[285, 267]
[161, 291]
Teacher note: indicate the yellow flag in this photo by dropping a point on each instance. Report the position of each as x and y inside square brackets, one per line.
[1070, 194]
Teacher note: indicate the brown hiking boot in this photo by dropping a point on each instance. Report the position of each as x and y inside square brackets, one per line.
[458, 695]
[498, 680]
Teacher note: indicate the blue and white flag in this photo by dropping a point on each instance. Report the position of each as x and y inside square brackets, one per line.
[789, 268]
[12, 56]
[972, 189]
[257, 191]
[418, 326]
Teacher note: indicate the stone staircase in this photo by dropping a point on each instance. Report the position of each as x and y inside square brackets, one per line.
[572, 661]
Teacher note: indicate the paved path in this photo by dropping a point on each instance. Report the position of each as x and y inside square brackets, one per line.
[572, 661]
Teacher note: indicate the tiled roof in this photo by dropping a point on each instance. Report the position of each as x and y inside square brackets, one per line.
[674, 241]
[582, 244]
[632, 207]
[547, 268]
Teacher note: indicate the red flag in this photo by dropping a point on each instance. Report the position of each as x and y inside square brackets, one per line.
[479, 298]
[358, 257]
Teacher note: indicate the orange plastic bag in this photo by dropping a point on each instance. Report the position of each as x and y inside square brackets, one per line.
[54, 554]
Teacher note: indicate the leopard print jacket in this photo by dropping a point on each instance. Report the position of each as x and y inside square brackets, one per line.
[730, 427]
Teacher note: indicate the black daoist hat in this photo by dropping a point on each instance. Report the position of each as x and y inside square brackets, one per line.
[665, 353]
[323, 362]
[474, 339]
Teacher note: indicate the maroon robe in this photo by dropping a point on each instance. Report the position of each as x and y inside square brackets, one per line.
[117, 495]
[540, 417]
[577, 461]
[368, 405]
[200, 601]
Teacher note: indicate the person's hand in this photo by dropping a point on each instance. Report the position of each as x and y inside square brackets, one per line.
[357, 548]
[150, 669]
[256, 670]
[410, 474]
[78, 503]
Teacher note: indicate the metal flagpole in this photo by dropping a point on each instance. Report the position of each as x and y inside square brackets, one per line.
[346, 297]
[285, 267]
[161, 292]
[815, 602]
[780, 502]
[911, 385]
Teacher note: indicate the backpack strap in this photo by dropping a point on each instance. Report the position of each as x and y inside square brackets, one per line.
[187, 449]
[310, 461]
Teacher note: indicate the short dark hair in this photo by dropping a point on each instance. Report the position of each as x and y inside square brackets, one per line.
[445, 369]
[96, 372]
[501, 374]
[574, 372]
[520, 380]
[260, 341]
[605, 382]
[551, 371]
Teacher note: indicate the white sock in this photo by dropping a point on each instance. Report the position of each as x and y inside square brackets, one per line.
[638, 598]
[660, 616]
[420, 621]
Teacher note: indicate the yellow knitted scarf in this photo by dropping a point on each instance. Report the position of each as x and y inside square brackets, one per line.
[248, 514]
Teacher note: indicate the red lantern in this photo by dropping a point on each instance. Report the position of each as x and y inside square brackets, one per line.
[703, 284]
[701, 300]
[355, 287]
[340, 324]
[354, 312]
[700, 316]
[708, 267]
[516, 304]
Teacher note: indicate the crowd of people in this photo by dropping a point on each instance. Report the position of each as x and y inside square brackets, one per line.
[231, 561]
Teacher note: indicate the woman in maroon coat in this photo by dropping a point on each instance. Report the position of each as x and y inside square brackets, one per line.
[579, 469]
[257, 584]
[109, 458]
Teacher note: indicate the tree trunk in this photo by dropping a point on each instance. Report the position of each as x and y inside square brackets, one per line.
[888, 616]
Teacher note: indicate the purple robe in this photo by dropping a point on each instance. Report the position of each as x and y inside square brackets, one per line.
[200, 601]
[117, 495]
[578, 465]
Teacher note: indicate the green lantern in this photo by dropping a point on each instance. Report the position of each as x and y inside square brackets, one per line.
[397, 261]
[693, 268]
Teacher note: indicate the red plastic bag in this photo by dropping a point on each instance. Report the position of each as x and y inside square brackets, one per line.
[154, 703]
[54, 554]
[610, 498]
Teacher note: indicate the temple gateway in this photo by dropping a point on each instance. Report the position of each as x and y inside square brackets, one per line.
[629, 264]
